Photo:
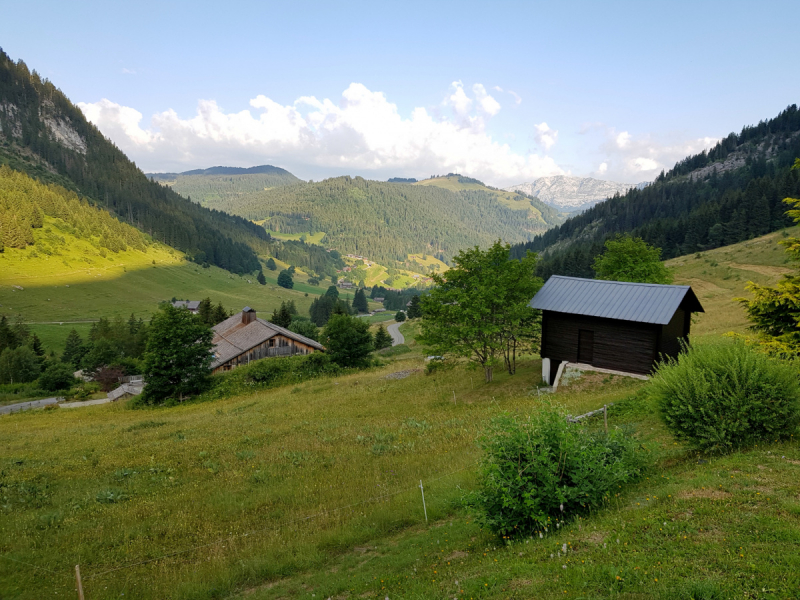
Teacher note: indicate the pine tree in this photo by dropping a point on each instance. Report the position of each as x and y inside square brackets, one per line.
[271, 264]
[36, 345]
[7, 337]
[220, 314]
[382, 338]
[261, 279]
[281, 317]
[360, 301]
[205, 311]
[73, 349]
[415, 310]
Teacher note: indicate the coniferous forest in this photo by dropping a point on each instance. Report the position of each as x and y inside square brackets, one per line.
[45, 135]
[729, 194]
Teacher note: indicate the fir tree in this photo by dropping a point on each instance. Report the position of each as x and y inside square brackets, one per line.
[382, 338]
[261, 279]
[271, 264]
[74, 349]
[360, 301]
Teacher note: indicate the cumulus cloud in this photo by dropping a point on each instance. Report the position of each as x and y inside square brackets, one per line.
[545, 136]
[633, 159]
[363, 132]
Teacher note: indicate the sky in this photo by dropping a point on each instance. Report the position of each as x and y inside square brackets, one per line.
[502, 91]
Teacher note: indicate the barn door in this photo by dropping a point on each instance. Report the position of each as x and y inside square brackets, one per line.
[585, 346]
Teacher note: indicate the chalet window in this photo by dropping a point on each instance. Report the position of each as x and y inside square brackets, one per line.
[585, 346]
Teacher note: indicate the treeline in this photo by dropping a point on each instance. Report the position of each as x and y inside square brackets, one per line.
[682, 214]
[24, 202]
[393, 300]
[386, 221]
[32, 109]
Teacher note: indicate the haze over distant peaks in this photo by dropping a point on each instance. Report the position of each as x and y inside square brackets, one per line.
[572, 194]
[259, 170]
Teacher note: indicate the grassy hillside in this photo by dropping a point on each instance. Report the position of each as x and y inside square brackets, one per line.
[718, 276]
[536, 209]
[314, 489]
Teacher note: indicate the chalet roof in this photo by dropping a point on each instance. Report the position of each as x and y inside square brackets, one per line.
[232, 337]
[190, 304]
[639, 302]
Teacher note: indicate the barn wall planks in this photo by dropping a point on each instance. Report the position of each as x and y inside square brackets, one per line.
[619, 345]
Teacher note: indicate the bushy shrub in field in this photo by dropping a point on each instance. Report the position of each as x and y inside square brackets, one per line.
[270, 373]
[57, 376]
[543, 470]
[720, 397]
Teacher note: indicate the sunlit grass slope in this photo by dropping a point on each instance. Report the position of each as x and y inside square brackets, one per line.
[718, 276]
[78, 284]
[106, 487]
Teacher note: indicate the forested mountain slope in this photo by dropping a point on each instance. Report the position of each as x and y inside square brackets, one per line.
[43, 134]
[729, 194]
[209, 187]
[387, 221]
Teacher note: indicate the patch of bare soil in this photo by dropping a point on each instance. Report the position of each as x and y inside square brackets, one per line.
[456, 554]
[761, 269]
[704, 493]
[401, 374]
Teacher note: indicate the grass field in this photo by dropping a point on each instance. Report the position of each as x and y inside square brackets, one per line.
[80, 285]
[718, 276]
[312, 491]
[310, 238]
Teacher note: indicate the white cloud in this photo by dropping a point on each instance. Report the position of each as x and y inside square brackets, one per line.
[363, 132]
[128, 71]
[634, 159]
[545, 136]
[488, 104]
[517, 99]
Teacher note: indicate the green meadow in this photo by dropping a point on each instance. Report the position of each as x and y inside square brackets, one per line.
[312, 490]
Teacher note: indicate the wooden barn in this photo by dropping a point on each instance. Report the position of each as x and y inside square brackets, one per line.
[244, 337]
[612, 324]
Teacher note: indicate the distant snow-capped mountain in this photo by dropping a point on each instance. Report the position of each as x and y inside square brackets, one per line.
[572, 194]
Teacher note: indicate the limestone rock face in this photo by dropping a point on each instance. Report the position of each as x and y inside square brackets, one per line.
[572, 194]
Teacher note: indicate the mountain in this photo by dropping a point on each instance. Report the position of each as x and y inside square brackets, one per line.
[388, 221]
[46, 136]
[572, 194]
[207, 186]
[729, 194]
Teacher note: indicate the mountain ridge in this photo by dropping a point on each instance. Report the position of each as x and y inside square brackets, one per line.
[572, 194]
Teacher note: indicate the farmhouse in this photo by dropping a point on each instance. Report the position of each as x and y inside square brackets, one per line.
[244, 337]
[612, 324]
[192, 305]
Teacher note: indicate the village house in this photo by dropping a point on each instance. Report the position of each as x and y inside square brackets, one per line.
[191, 305]
[244, 337]
[613, 325]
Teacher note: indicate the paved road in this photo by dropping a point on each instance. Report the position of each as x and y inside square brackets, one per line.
[9, 408]
[394, 331]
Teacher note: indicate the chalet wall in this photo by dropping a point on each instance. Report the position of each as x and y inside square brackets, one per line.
[672, 333]
[619, 345]
[277, 345]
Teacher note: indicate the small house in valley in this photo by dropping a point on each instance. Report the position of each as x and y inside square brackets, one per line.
[244, 337]
[191, 305]
[613, 325]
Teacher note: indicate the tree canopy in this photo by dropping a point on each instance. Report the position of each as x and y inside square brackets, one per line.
[178, 356]
[631, 259]
[347, 340]
[479, 308]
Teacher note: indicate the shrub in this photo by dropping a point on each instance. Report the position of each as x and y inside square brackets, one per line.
[57, 376]
[719, 397]
[541, 471]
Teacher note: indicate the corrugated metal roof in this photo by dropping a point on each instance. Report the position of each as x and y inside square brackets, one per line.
[640, 302]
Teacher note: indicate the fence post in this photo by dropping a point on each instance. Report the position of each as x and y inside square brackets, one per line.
[421, 489]
[605, 416]
[78, 582]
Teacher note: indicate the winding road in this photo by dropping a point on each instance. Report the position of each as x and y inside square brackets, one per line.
[394, 331]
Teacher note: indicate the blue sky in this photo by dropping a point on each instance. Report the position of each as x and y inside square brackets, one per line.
[503, 91]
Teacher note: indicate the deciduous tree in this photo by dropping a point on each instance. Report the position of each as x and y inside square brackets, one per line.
[631, 259]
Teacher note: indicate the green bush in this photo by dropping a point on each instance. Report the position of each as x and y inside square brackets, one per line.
[269, 373]
[720, 397]
[57, 376]
[538, 472]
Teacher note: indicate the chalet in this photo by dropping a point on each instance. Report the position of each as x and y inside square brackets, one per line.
[244, 337]
[346, 285]
[614, 325]
[191, 305]
[379, 300]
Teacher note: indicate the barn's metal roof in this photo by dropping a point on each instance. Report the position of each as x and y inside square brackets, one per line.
[640, 302]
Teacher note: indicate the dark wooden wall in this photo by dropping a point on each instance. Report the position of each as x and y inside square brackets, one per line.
[619, 345]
